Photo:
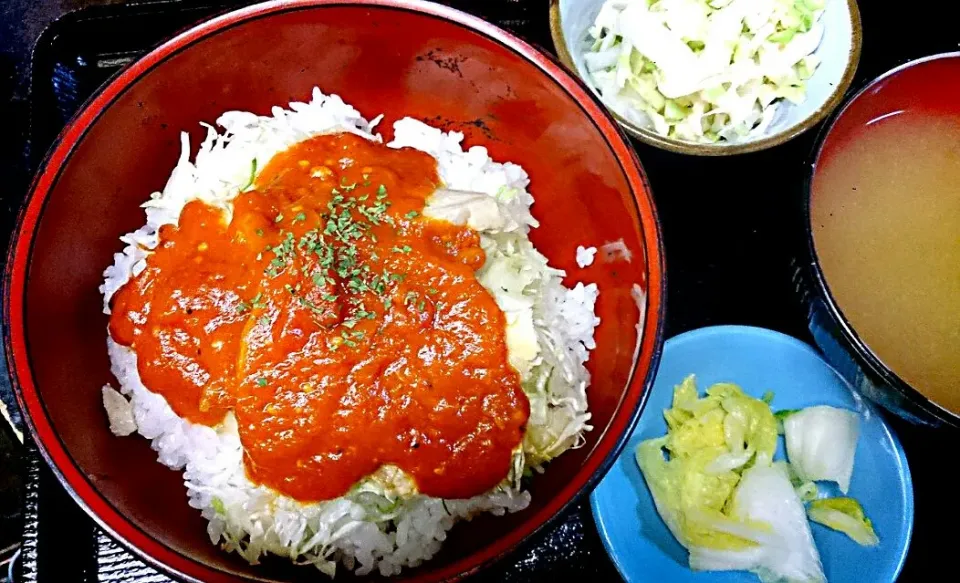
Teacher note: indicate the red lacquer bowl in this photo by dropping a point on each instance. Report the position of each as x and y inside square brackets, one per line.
[391, 56]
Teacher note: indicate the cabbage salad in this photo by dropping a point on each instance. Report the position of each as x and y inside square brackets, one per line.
[703, 70]
[732, 506]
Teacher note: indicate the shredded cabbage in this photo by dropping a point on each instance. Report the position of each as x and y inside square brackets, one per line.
[553, 379]
[844, 515]
[477, 210]
[528, 290]
[703, 70]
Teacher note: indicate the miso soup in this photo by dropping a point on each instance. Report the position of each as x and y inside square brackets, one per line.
[885, 211]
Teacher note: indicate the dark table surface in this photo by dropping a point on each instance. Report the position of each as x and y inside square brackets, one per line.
[728, 256]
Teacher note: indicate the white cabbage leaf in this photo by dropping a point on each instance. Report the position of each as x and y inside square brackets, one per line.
[844, 515]
[784, 549]
[822, 443]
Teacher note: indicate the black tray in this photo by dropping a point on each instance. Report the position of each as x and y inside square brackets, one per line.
[730, 254]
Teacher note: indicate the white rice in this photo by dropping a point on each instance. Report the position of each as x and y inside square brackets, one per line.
[253, 520]
[585, 255]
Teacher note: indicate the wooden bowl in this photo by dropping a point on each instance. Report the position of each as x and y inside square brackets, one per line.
[391, 56]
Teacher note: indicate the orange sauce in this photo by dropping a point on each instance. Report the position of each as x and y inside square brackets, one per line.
[343, 329]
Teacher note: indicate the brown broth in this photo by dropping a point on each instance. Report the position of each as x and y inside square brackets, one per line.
[885, 212]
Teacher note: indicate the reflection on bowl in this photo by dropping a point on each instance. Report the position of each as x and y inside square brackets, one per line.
[838, 52]
[883, 219]
[455, 72]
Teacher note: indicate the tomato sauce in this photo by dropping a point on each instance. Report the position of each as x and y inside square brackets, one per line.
[344, 330]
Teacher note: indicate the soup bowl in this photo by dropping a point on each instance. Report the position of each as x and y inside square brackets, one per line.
[456, 72]
[926, 86]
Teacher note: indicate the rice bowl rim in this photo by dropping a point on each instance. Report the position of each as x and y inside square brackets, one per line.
[183, 566]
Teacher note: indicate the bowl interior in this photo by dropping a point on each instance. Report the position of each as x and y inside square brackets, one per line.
[923, 88]
[838, 52]
[125, 144]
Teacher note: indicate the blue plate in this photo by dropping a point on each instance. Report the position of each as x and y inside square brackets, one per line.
[758, 360]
